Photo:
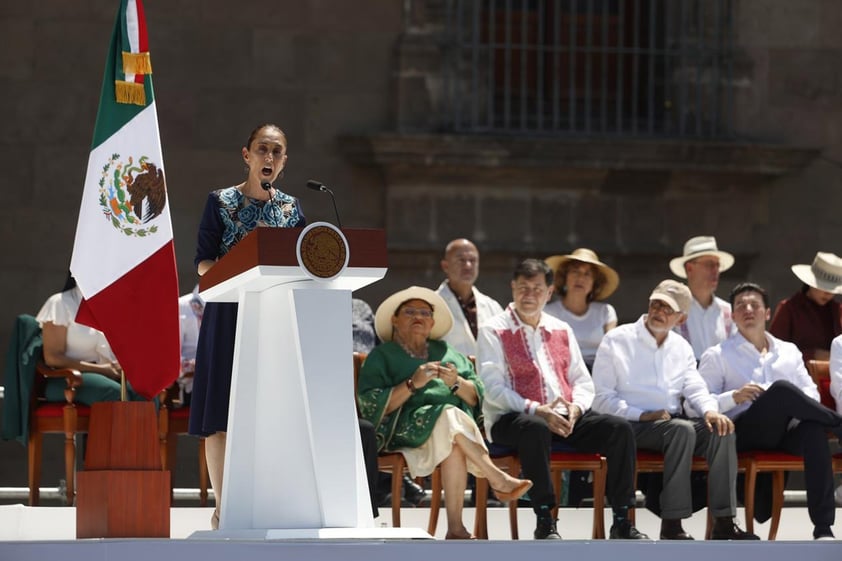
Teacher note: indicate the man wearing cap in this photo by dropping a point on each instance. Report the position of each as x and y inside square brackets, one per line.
[709, 318]
[811, 317]
[761, 383]
[469, 306]
[538, 392]
[641, 372]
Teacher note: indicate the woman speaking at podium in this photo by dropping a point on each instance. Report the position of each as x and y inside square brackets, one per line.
[229, 215]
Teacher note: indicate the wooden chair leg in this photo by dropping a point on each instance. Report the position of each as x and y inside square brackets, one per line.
[599, 477]
[750, 486]
[435, 502]
[203, 474]
[169, 453]
[397, 485]
[777, 502]
[34, 453]
[481, 511]
[70, 420]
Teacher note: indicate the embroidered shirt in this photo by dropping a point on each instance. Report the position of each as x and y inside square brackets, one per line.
[632, 374]
[589, 327]
[523, 367]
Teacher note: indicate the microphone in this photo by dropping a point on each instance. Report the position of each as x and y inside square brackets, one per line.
[268, 188]
[319, 186]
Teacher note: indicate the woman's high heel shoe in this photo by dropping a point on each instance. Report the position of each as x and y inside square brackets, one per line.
[517, 492]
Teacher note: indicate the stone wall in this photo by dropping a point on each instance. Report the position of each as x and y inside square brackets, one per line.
[357, 86]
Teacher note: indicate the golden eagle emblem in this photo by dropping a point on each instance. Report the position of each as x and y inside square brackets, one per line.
[131, 195]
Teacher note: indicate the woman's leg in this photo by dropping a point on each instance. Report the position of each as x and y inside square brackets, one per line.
[478, 455]
[215, 455]
[454, 477]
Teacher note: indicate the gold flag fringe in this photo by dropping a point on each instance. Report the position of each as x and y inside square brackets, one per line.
[137, 63]
[130, 92]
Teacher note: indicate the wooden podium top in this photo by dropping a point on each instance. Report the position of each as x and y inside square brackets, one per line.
[276, 247]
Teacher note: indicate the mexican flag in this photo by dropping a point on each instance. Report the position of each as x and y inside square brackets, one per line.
[123, 255]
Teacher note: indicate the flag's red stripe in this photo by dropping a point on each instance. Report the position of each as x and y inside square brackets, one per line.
[143, 39]
[139, 314]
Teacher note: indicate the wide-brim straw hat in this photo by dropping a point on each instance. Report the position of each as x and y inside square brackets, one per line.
[585, 255]
[825, 273]
[699, 247]
[443, 319]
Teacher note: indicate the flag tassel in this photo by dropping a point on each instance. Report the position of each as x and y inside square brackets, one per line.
[129, 92]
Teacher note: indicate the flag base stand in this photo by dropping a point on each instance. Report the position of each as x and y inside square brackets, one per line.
[123, 491]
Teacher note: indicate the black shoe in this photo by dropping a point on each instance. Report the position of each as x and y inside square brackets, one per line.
[546, 529]
[726, 529]
[671, 530]
[624, 530]
[823, 533]
[412, 491]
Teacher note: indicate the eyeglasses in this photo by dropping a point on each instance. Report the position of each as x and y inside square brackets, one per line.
[662, 307]
[412, 312]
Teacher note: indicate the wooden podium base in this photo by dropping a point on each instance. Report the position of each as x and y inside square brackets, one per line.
[123, 504]
[123, 492]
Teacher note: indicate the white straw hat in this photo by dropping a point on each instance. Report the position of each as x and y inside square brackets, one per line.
[825, 273]
[699, 247]
[442, 318]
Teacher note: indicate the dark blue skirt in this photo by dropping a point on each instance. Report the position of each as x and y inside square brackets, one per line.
[214, 364]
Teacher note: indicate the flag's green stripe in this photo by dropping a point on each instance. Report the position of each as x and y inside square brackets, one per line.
[112, 115]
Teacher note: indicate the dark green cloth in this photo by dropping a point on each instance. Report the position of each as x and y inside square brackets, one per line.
[24, 353]
[410, 425]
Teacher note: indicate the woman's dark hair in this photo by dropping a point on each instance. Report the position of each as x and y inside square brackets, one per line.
[69, 282]
[253, 134]
[561, 277]
[529, 268]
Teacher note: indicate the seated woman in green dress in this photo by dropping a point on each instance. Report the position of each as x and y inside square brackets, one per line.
[424, 398]
[68, 344]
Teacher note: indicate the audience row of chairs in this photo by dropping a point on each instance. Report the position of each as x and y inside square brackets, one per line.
[751, 464]
[71, 419]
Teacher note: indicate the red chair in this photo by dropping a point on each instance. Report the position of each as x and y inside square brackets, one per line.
[48, 417]
[653, 462]
[562, 458]
[777, 463]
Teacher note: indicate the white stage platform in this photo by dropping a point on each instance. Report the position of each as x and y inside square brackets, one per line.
[47, 532]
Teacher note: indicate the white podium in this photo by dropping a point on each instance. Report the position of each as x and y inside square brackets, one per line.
[293, 462]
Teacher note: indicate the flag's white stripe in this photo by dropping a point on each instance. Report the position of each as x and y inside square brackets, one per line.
[95, 233]
[133, 27]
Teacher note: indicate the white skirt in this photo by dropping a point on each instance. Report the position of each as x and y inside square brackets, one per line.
[452, 421]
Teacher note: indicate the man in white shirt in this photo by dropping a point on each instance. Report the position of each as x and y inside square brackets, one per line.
[470, 307]
[761, 383]
[709, 318]
[641, 372]
[538, 392]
